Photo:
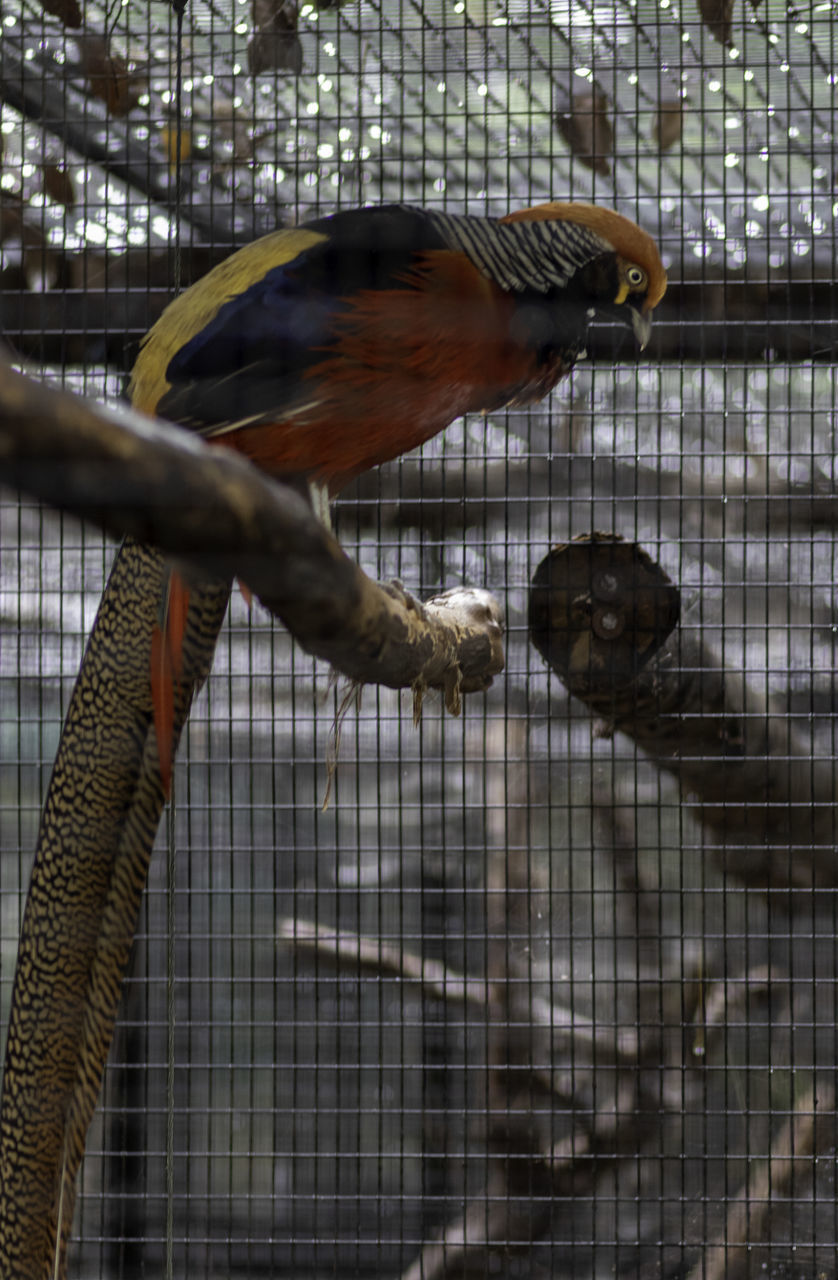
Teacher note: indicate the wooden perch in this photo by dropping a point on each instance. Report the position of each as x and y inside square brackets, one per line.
[57, 325]
[770, 1184]
[600, 612]
[439, 981]
[465, 1246]
[222, 518]
[387, 959]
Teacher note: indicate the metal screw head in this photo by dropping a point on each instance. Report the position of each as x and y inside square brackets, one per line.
[608, 624]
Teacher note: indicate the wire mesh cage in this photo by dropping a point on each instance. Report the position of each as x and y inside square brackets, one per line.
[548, 987]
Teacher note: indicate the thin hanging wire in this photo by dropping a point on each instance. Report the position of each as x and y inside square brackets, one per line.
[171, 851]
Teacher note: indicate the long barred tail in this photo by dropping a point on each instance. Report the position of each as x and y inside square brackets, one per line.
[100, 819]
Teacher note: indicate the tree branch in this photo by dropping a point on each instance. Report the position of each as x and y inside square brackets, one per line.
[464, 1246]
[441, 982]
[749, 1213]
[599, 613]
[222, 518]
[385, 959]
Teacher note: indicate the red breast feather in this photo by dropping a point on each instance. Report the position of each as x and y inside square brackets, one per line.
[406, 363]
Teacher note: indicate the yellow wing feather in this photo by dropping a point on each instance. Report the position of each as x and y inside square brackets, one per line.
[195, 308]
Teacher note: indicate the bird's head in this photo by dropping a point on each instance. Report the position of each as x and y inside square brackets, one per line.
[620, 266]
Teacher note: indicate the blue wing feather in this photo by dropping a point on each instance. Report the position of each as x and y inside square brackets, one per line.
[251, 358]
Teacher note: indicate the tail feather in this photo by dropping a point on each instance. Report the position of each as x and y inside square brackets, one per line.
[167, 668]
[100, 816]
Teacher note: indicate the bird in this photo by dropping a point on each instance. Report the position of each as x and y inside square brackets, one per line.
[322, 350]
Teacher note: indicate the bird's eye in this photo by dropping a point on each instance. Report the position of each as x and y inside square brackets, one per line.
[636, 277]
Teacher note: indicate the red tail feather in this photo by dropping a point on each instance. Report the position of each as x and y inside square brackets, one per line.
[166, 669]
[177, 608]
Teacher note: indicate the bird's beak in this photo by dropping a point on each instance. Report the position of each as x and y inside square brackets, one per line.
[642, 326]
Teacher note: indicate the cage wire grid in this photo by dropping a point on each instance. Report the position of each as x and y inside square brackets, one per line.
[648, 1091]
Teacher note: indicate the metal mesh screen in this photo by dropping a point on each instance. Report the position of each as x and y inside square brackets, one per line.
[619, 1056]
